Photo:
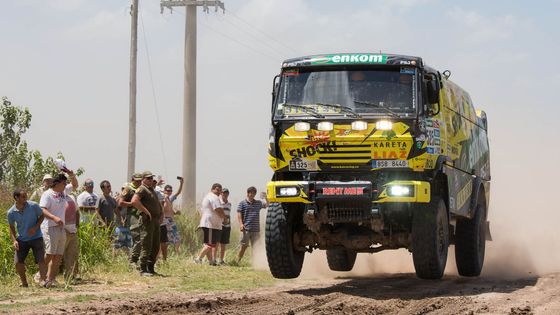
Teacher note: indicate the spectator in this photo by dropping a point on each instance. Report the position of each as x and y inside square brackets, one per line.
[248, 215]
[169, 233]
[27, 216]
[106, 205]
[87, 202]
[123, 239]
[47, 182]
[147, 202]
[54, 202]
[212, 216]
[125, 200]
[226, 225]
[71, 225]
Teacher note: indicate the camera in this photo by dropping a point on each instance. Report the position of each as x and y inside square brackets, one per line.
[179, 177]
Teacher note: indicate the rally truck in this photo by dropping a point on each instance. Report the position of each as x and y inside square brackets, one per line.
[370, 152]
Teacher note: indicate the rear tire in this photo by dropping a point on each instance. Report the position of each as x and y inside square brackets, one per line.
[341, 259]
[430, 239]
[283, 260]
[470, 242]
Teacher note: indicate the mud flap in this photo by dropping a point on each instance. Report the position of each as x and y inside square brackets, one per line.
[488, 235]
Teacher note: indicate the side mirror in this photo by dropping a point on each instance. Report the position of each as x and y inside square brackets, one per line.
[432, 92]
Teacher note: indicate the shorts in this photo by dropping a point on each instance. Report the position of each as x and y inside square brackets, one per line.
[211, 236]
[163, 234]
[172, 232]
[55, 240]
[36, 245]
[123, 238]
[224, 236]
[249, 237]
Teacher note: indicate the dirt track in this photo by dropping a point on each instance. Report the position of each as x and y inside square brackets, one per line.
[390, 294]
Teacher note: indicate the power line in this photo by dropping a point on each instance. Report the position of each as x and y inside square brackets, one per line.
[262, 32]
[274, 49]
[154, 94]
[235, 40]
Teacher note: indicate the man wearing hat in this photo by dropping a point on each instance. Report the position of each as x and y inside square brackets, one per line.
[124, 200]
[87, 201]
[147, 203]
[47, 183]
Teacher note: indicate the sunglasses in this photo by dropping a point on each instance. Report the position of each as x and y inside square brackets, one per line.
[169, 190]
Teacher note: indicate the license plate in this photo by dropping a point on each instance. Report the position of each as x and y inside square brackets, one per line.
[303, 165]
[389, 163]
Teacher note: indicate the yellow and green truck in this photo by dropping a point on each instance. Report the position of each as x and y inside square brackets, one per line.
[374, 151]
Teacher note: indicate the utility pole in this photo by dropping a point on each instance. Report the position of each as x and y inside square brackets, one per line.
[132, 90]
[189, 107]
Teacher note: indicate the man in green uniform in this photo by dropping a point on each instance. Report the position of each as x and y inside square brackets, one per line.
[124, 200]
[148, 205]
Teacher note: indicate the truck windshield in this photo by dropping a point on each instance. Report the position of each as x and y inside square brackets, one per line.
[388, 92]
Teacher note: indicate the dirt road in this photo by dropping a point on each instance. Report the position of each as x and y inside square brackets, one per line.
[389, 294]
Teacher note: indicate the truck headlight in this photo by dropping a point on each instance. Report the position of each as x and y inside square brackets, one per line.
[325, 126]
[401, 191]
[288, 191]
[302, 126]
[359, 125]
[384, 125]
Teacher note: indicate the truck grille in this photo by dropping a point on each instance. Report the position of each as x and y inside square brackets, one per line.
[346, 153]
[347, 211]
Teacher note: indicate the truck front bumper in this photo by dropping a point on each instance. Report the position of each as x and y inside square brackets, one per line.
[311, 191]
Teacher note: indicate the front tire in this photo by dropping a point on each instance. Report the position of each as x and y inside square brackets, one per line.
[341, 259]
[430, 239]
[470, 243]
[283, 260]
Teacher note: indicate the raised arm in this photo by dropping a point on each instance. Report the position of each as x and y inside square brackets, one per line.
[181, 181]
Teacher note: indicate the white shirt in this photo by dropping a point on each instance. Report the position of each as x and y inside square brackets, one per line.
[209, 217]
[86, 199]
[56, 204]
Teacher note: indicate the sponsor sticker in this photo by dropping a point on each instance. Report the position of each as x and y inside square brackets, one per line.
[303, 165]
[343, 191]
[389, 163]
[408, 70]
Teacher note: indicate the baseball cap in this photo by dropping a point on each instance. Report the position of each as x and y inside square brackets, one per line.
[225, 190]
[147, 174]
[137, 176]
[47, 176]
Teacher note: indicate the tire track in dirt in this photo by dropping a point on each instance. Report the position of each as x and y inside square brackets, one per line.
[389, 294]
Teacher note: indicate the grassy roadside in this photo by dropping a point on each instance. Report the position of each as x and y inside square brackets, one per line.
[180, 275]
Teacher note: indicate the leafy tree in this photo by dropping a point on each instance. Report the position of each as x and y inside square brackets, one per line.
[19, 166]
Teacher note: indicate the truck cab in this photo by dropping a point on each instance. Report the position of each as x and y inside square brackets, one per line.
[372, 152]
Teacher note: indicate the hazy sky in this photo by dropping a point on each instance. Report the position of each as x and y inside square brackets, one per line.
[68, 61]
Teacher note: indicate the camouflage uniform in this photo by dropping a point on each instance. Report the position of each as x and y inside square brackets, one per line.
[127, 194]
[149, 228]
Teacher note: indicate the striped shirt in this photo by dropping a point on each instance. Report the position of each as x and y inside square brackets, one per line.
[250, 214]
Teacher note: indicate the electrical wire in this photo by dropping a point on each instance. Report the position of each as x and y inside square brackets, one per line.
[154, 94]
[262, 32]
[233, 39]
[273, 49]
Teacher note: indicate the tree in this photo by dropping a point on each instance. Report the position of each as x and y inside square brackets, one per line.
[19, 166]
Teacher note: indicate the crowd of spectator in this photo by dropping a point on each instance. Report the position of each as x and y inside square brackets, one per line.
[140, 218]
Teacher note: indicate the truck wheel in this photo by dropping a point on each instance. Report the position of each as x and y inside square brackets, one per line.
[283, 260]
[341, 259]
[430, 239]
[470, 242]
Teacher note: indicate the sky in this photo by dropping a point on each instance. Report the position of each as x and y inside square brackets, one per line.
[68, 62]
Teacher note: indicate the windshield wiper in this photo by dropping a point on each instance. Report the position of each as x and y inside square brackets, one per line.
[344, 109]
[313, 112]
[376, 105]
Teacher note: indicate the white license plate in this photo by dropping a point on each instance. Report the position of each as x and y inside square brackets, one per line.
[389, 163]
[303, 165]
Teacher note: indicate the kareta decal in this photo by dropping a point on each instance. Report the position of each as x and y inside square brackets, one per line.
[349, 58]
